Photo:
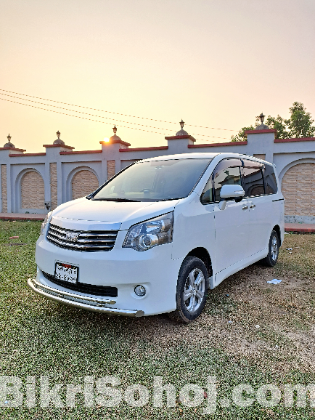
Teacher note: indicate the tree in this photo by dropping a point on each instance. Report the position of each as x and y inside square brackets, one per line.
[298, 125]
[241, 136]
[280, 125]
[300, 122]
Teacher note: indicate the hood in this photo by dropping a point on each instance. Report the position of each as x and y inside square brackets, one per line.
[108, 214]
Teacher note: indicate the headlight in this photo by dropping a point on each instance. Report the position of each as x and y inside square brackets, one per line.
[45, 222]
[146, 235]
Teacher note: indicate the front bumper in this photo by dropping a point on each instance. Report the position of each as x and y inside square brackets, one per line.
[122, 268]
[80, 301]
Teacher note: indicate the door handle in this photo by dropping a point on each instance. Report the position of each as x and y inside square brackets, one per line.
[244, 207]
[252, 206]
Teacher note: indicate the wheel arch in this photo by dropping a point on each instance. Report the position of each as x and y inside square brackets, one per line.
[278, 230]
[204, 256]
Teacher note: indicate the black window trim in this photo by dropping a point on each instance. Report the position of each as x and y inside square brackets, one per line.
[265, 181]
[262, 173]
[243, 161]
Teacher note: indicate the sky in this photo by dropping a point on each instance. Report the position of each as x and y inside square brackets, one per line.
[212, 63]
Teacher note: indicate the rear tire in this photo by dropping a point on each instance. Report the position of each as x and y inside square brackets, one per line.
[273, 250]
[191, 290]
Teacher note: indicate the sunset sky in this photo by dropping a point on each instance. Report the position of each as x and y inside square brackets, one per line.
[214, 63]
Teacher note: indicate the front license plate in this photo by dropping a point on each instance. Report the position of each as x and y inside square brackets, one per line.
[66, 272]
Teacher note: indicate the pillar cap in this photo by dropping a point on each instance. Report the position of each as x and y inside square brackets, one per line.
[259, 131]
[58, 141]
[9, 145]
[114, 139]
[262, 126]
[181, 134]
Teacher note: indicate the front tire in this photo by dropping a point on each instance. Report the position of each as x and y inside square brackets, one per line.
[191, 290]
[273, 250]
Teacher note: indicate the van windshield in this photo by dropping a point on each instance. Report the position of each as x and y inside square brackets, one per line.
[154, 181]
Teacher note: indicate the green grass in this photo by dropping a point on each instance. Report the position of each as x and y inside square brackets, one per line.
[42, 338]
[301, 261]
[220, 304]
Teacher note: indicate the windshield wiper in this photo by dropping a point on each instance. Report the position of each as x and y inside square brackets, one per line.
[121, 200]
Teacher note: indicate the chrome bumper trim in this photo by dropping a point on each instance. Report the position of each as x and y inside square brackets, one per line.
[92, 304]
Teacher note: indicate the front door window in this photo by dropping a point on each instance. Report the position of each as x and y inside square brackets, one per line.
[226, 173]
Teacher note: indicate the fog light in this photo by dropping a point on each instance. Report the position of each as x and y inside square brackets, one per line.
[140, 290]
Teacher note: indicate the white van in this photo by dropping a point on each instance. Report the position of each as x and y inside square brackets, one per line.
[161, 232]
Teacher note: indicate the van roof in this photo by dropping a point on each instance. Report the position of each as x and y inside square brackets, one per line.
[184, 156]
[203, 156]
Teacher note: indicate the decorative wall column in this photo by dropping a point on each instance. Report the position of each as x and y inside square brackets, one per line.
[3, 188]
[260, 142]
[110, 150]
[5, 177]
[54, 190]
[180, 142]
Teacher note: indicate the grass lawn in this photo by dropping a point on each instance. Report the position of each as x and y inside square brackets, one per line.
[258, 334]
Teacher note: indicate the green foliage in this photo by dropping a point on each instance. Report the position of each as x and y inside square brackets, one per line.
[300, 124]
[280, 125]
[241, 136]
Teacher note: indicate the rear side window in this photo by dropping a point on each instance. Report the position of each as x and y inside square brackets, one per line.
[253, 182]
[270, 180]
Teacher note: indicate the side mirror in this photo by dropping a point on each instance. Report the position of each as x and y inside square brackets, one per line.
[230, 192]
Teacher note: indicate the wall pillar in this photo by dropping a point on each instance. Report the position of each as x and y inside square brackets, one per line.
[9, 189]
[261, 142]
[111, 155]
[180, 142]
[54, 191]
[6, 187]
[53, 185]
[3, 186]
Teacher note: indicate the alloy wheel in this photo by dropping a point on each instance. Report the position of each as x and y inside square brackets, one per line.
[194, 290]
[274, 248]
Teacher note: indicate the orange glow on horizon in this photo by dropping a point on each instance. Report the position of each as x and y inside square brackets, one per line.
[144, 70]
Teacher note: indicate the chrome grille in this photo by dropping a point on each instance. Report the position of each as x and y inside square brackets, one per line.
[79, 240]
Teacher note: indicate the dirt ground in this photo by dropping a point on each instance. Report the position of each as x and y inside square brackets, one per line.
[248, 318]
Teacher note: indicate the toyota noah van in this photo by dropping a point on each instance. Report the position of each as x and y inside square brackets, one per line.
[161, 232]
